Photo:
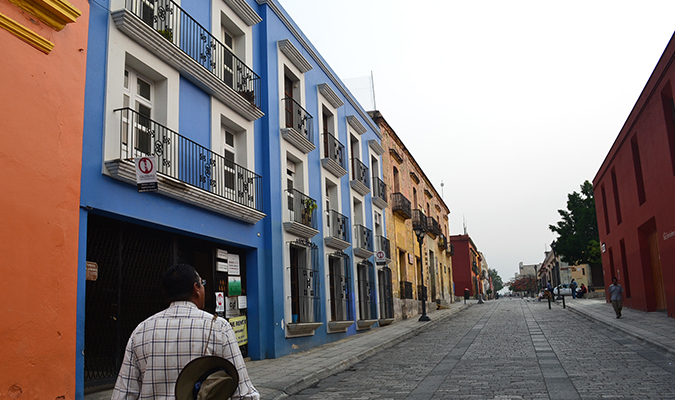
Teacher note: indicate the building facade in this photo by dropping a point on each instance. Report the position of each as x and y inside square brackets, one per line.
[44, 48]
[268, 180]
[634, 189]
[467, 265]
[325, 221]
[414, 202]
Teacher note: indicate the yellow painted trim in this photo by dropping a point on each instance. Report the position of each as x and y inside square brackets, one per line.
[55, 13]
[26, 34]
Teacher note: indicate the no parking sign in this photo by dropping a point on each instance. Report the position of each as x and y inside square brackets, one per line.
[146, 174]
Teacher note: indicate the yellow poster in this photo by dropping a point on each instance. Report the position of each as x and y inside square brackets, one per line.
[240, 330]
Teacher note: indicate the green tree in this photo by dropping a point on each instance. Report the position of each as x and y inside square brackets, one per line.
[578, 241]
[497, 282]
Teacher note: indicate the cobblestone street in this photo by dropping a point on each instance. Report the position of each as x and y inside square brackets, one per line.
[508, 349]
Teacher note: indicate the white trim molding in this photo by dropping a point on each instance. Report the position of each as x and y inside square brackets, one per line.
[294, 55]
[376, 146]
[356, 124]
[244, 11]
[330, 95]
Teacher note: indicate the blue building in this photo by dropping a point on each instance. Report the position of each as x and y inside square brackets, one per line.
[268, 180]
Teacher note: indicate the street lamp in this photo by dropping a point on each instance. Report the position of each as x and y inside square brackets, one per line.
[419, 232]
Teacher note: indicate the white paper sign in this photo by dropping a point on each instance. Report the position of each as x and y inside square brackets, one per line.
[242, 302]
[222, 266]
[221, 254]
[232, 310]
[233, 264]
[220, 302]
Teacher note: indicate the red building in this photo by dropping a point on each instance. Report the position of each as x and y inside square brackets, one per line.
[634, 194]
[466, 264]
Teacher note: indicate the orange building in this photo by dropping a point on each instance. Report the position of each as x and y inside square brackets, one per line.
[42, 79]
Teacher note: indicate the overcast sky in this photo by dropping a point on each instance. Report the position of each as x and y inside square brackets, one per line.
[512, 104]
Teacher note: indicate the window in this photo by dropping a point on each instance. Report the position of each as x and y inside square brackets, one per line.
[228, 57]
[338, 277]
[288, 104]
[396, 181]
[604, 207]
[367, 303]
[138, 95]
[637, 166]
[290, 182]
[303, 284]
[617, 205]
[229, 156]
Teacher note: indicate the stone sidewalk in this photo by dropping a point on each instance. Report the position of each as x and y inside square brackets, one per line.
[280, 377]
[653, 328]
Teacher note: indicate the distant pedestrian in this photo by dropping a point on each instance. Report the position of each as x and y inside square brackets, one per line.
[616, 296]
[582, 291]
[573, 286]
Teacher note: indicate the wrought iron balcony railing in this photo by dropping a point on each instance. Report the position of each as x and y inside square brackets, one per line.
[302, 208]
[363, 238]
[442, 242]
[333, 149]
[179, 28]
[419, 220]
[360, 172]
[298, 118]
[182, 159]
[379, 189]
[433, 228]
[382, 244]
[338, 225]
[401, 205]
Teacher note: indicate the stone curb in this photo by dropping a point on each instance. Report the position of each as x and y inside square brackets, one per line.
[323, 373]
[626, 331]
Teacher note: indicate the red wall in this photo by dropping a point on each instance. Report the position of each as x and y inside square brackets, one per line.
[651, 125]
[41, 118]
[461, 264]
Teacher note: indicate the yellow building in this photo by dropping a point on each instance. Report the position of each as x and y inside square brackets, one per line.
[413, 197]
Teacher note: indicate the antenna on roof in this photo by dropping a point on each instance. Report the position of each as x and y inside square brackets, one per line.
[464, 223]
[372, 85]
[442, 184]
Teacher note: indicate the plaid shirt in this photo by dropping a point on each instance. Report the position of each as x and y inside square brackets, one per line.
[161, 345]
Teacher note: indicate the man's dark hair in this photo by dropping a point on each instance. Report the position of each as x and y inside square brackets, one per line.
[178, 281]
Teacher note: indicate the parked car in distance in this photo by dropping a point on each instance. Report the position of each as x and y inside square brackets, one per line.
[562, 290]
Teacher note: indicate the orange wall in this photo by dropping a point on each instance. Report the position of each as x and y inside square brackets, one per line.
[41, 114]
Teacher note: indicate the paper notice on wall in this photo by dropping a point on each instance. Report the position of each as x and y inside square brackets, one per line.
[234, 286]
[222, 266]
[233, 264]
[232, 310]
[239, 326]
[221, 254]
[242, 302]
[220, 302]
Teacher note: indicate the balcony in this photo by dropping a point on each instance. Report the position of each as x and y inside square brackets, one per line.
[363, 241]
[401, 206]
[442, 242]
[334, 156]
[379, 193]
[338, 231]
[166, 30]
[382, 244]
[187, 171]
[360, 178]
[302, 220]
[419, 220]
[298, 130]
[433, 228]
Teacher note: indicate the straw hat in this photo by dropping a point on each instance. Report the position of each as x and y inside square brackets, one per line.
[208, 377]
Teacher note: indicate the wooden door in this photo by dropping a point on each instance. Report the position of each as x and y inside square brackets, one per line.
[657, 274]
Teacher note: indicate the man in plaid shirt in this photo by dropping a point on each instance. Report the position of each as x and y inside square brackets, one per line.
[163, 344]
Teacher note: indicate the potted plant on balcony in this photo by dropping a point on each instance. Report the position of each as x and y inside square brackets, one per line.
[309, 205]
[167, 33]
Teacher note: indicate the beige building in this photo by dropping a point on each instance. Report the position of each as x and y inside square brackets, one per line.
[412, 196]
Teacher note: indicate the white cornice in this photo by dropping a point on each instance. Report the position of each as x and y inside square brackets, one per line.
[244, 11]
[294, 55]
[330, 95]
[376, 146]
[356, 124]
[272, 5]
